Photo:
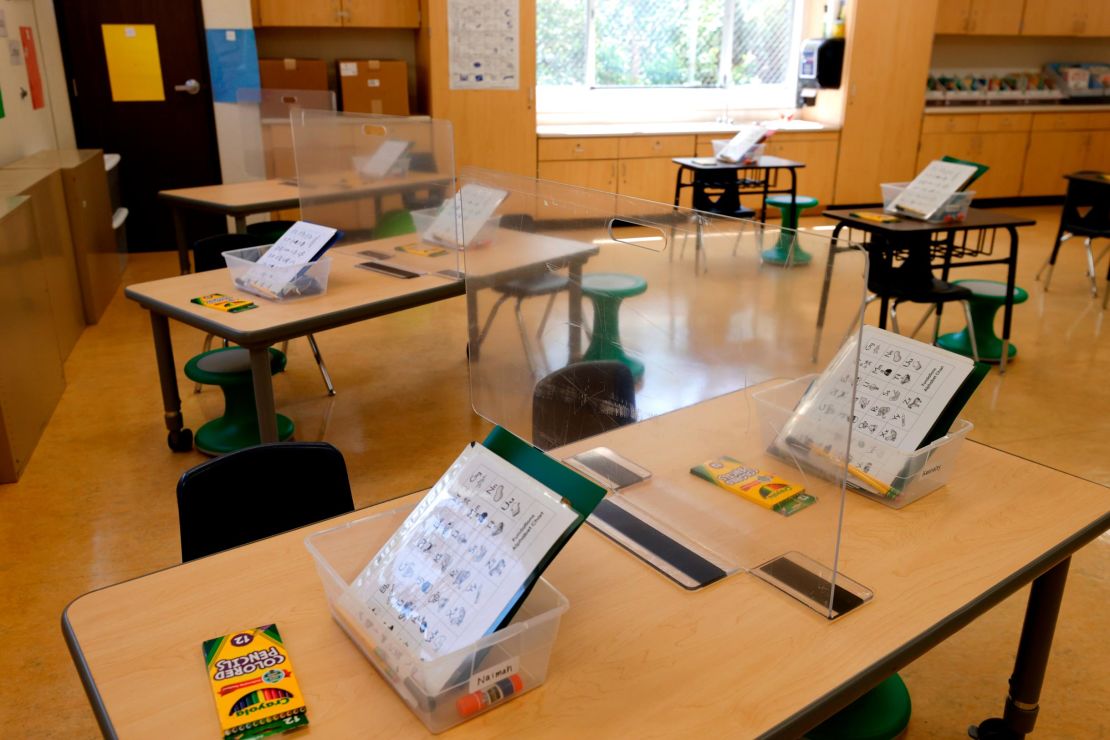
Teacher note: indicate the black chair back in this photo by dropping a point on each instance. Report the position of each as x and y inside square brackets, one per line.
[582, 400]
[208, 252]
[1086, 208]
[259, 492]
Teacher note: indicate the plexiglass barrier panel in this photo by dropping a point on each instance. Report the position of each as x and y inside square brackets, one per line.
[267, 139]
[629, 338]
[385, 179]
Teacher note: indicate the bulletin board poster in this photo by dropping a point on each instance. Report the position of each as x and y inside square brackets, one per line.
[483, 40]
[134, 67]
[232, 62]
[34, 77]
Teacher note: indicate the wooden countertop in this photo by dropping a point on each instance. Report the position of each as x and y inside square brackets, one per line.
[667, 129]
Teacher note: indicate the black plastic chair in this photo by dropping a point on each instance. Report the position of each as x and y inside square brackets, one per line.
[1086, 213]
[258, 492]
[208, 255]
[912, 281]
[582, 400]
[718, 191]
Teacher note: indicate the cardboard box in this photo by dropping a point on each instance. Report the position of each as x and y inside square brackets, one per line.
[293, 74]
[374, 86]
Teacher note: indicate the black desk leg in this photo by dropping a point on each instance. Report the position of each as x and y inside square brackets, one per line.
[674, 214]
[264, 394]
[1008, 310]
[766, 188]
[182, 242]
[240, 224]
[1043, 608]
[574, 312]
[473, 347]
[825, 286]
[179, 439]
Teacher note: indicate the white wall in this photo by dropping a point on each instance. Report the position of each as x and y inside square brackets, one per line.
[24, 130]
[230, 127]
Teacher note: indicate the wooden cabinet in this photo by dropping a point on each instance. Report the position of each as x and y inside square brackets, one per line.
[818, 152]
[1051, 155]
[650, 178]
[637, 166]
[1065, 18]
[1002, 151]
[882, 114]
[980, 17]
[338, 13]
[599, 174]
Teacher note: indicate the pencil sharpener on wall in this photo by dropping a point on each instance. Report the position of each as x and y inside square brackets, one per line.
[819, 68]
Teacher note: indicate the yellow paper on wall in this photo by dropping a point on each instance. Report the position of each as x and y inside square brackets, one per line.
[134, 68]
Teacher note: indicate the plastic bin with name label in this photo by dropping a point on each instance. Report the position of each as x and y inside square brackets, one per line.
[276, 282]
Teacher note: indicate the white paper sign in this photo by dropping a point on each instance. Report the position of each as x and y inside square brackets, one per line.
[932, 188]
[483, 41]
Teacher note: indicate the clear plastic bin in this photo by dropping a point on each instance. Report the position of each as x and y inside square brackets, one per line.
[424, 218]
[756, 152]
[276, 283]
[927, 468]
[522, 649]
[954, 210]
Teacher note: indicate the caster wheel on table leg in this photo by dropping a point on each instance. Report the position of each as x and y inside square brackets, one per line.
[992, 729]
[181, 440]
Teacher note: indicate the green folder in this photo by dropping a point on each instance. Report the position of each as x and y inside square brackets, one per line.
[979, 170]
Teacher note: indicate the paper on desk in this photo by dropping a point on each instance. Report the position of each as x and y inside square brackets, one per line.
[379, 163]
[745, 140]
[932, 188]
[462, 217]
[303, 243]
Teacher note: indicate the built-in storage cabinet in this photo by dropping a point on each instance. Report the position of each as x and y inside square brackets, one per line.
[338, 13]
[1066, 18]
[979, 17]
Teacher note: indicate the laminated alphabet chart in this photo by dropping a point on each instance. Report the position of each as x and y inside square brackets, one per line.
[483, 41]
[458, 564]
[902, 387]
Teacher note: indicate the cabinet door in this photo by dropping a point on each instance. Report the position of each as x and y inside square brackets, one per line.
[1056, 17]
[816, 178]
[1098, 152]
[299, 13]
[1051, 155]
[1004, 153]
[381, 13]
[599, 174]
[953, 15]
[651, 178]
[994, 17]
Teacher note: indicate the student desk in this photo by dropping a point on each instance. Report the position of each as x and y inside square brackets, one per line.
[353, 294]
[970, 241]
[760, 176]
[241, 199]
[636, 656]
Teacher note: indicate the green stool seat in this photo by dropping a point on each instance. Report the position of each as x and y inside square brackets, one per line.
[987, 296]
[607, 290]
[230, 369]
[880, 714]
[787, 251]
[394, 223]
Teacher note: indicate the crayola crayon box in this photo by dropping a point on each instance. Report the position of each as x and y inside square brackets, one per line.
[252, 679]
[765, 489]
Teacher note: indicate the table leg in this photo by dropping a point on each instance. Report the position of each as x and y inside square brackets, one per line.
[179, 438]
[1020, 713]
[823, 305]
[182, 243]
[574, 313]
[240, 224]
[264, 394]
[1008, 309]
[766, 187]
[674, 214]
[473, 347]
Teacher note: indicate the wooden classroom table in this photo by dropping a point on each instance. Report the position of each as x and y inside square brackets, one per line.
[353, 294]
[635, 656]
[241, 199]
[951, 243]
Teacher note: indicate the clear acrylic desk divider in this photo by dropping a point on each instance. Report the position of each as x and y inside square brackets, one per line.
[266, 143]
[602, 321]
[384, 181]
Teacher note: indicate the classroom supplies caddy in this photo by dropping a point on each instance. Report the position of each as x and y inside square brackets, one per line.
[458, 684]
[293, 266]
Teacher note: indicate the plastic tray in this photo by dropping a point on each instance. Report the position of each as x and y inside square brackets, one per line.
[522, 649]
[955, 209]
[931, 465]
[276, 283]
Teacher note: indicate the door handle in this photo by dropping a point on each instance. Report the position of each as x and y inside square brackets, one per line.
[191, 86]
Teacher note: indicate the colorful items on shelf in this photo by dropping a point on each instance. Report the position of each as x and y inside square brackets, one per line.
[1081, 80]
[948, 86]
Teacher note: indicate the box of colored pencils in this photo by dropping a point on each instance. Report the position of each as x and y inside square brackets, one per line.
[252, 679]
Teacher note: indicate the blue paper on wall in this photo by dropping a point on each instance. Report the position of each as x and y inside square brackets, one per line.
[232, 62]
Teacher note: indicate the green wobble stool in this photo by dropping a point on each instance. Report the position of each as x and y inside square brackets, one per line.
[987, 296]
[394, 223]
[607, 290]
[880, 714]
[787, 251]
[230, 369]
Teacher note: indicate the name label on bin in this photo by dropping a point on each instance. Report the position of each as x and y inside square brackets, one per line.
[492, 675]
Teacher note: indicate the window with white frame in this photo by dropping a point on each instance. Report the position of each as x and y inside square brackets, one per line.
[732, 51]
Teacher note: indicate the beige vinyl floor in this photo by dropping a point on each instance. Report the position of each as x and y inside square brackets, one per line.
[96, 504]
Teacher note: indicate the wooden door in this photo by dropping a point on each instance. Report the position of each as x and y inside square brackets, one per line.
[299, 13]
[599, 174]
[495, 129]
[1053, 154]
[169, 143]
[952, 15]
[381, 13]
[1055, 17]
[994, 17]
[651, 178]
[882, 115]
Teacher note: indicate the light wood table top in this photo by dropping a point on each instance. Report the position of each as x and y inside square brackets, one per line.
[353, 293]
[635, 656]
